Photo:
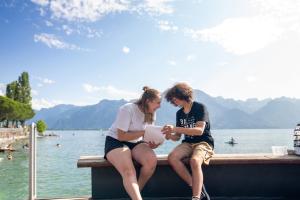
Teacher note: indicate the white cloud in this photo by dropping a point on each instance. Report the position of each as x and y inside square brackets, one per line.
[125, 50]
[2, 89]
[109, 92]
[251, 79]
[34, 92]
[41, 2]
[81, 30]
[85, 10]
[266, 74]
[85, 31]
[42, 12]
[272, 21]
[44, 80]
[223, 63]
[242, 35]
[53, 42]
[93, 10]
[37, 104]
[172, 62]
[191, 58]
[158, 7]
[67, 29]
[92, 33]
[48, 23]
[90, 88]
[48, 81]
[167, 26]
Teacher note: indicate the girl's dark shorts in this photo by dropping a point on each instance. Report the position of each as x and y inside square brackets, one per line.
[112, 143]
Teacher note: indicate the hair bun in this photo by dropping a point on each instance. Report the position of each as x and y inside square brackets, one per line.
[145, 88]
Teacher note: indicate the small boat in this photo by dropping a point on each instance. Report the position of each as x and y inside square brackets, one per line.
[231, 142]
[52, 135]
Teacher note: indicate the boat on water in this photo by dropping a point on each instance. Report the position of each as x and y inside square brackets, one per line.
[51, 135]
[231, 141]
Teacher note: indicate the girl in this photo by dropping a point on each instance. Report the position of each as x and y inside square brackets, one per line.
[124, 142]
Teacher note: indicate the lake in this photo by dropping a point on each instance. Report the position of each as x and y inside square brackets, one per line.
[58, 175]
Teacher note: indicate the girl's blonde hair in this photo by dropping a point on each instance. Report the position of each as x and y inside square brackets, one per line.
[149, 94]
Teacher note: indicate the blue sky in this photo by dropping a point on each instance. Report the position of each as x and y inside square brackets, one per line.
[81, 51]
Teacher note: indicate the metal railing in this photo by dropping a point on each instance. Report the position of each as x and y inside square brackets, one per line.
[32, 162]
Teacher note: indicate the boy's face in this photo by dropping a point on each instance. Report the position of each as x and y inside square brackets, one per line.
[177, 102]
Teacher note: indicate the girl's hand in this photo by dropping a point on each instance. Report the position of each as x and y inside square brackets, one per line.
[152, 145]
[168, 136]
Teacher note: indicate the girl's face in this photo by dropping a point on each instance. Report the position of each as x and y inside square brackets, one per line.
[154, 104]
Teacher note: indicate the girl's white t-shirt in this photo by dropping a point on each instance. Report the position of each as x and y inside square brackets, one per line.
[129, 118]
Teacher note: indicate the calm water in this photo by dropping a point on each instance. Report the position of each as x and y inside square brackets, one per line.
[58, 175]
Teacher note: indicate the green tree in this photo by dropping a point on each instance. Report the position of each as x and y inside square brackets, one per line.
[19, 108]
[25, 89]
[6, 108]
[25, 112]
[14, 111]
[20, 90]
[13, 90]
[41, 127]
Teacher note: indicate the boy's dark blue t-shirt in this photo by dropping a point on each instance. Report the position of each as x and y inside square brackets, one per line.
[197, 113]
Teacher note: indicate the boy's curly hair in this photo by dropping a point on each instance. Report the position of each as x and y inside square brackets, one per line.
[180, 91]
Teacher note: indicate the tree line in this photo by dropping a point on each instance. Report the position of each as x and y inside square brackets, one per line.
[15, 107]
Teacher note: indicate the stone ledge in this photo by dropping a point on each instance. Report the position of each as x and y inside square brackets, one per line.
[218, 159]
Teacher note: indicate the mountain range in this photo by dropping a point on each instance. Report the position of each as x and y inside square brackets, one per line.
[224, 113]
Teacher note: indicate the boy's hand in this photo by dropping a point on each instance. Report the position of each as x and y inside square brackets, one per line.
[168, 129]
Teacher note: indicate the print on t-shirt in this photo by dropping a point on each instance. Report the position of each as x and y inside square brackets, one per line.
[197, 113]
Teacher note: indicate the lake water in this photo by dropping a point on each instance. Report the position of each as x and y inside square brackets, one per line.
[58, 175]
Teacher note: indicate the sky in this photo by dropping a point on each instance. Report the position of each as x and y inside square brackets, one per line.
[82, 51]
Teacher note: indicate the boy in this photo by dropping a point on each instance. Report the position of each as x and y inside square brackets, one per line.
[192, 121]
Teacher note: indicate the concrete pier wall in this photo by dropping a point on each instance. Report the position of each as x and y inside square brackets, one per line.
[234, 176]
[9, 135]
